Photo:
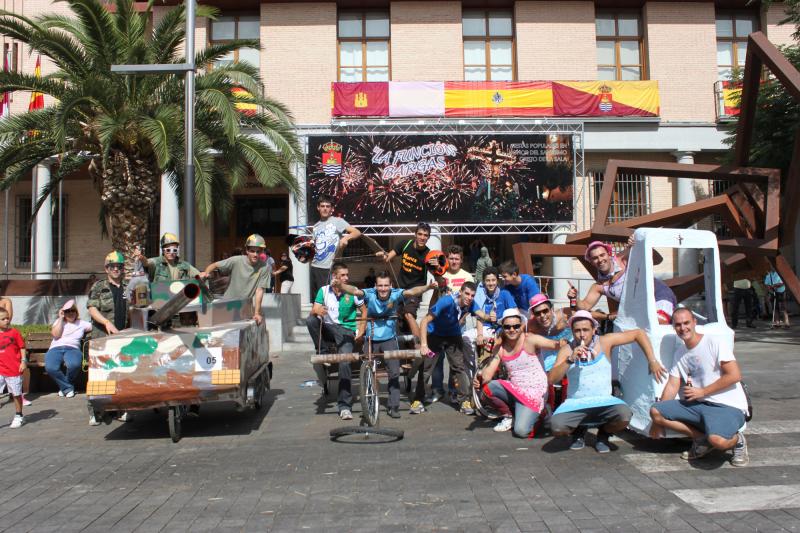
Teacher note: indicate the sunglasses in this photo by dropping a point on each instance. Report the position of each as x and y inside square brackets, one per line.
[115, 266]
[541, 312]
[510, 327]
[171, 250]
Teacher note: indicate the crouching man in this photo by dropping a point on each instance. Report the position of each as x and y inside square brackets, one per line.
[712, 410]
[587, 363]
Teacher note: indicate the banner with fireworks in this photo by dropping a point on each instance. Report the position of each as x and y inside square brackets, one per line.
[443, 178]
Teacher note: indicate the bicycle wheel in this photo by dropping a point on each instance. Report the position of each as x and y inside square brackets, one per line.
[370, 404]
[478, 398]
[366, 435]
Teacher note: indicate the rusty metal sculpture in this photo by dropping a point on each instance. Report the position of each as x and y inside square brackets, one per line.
[760, 208]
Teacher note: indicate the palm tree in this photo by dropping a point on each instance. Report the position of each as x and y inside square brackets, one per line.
[130, 129]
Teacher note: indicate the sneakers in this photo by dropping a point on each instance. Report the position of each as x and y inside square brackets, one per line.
[26, 402]
[578, 439]
[393, 412]
[601, 443]
[416, 408]
[125, 417]
[466, 408]
[435, 396]
[61, 393]
[699, 449]
[505, 424]
[17, 421]
[70, 394]
[740, 455]
[346, 414]
[93, 421]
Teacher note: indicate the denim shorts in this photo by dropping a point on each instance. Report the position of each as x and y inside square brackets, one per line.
[711, 418]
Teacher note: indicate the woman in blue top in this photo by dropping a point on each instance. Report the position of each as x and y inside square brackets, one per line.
[587, 363]
[492, 302]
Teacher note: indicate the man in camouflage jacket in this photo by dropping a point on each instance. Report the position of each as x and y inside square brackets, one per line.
[106, 304]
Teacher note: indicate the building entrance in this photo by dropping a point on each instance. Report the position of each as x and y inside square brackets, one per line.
[267, 215]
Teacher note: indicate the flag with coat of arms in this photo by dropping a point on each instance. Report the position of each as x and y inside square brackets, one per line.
[37, 98]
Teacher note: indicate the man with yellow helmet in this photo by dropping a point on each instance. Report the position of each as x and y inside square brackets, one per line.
[168, 266]
[106, 302]
[249, 273]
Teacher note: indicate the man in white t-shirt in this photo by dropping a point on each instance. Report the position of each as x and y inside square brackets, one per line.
[713, 408]
[329, 234]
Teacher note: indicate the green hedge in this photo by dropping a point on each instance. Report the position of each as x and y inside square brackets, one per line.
[26, 329]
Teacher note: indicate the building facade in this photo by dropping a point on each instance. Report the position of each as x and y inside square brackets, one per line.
[689, 48]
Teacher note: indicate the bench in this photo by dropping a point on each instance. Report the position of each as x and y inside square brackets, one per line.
[33, 380]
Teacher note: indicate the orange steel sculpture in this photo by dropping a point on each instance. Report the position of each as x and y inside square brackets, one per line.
[761, 219]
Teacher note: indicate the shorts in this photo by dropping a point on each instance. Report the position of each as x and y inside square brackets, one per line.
[410, 305]
[14, 384]
[711, 418]
[596, 416]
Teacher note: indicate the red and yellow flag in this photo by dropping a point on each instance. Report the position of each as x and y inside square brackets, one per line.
[363, 99]
[37, 98]
[498, 98]
[245, 108]
[606, 98]
[731, 98]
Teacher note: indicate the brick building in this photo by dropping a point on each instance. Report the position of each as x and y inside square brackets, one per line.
[687, 47]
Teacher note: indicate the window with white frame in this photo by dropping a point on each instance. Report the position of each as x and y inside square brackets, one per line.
[364, 46]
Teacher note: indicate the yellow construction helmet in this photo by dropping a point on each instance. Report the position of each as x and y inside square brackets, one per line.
[256, 240]
[169, 238]
[115, 257]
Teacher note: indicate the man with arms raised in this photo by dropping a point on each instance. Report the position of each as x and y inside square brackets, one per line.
[586, 361]
[382, 304]
[333, 319]
[712, 410]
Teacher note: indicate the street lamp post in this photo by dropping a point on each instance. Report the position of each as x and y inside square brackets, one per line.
[188, 69]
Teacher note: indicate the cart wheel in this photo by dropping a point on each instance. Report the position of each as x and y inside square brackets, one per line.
[370, 404]
[174, 420]
[261, 390]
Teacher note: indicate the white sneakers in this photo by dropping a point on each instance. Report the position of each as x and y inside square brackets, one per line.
[346, 414]
[17, 421]
[505, 424]
[93, 421]
[70, 394]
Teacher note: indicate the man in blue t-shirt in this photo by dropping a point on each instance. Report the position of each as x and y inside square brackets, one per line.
[441, 327]
[382, 303]
[521, 287]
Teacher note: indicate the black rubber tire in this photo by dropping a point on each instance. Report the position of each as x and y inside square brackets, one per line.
[174, 417]
[478, 398]
[370, 402]
[362, 434]
[261, 390]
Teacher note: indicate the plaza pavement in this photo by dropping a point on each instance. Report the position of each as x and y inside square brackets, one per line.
[278, 471]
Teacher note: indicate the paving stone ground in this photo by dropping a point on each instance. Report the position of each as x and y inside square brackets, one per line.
[277, 470]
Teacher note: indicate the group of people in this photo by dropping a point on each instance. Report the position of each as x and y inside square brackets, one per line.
[535, 344]
[767, 299]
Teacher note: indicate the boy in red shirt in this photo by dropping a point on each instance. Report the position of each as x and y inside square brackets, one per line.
[12, 364]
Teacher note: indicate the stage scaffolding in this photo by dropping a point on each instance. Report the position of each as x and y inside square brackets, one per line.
[444, 126]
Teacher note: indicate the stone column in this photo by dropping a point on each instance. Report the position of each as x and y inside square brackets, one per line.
[562, 267]
[42, 254]
[170, 216]
[687, 259]
[299, 217]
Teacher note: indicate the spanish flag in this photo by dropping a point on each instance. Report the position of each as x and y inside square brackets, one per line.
[37, 99]
[731, 98]
[605, 98]
[242, 104]
[498, 99]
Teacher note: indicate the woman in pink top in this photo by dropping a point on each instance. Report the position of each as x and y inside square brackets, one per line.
[523, 393]
[67, 332]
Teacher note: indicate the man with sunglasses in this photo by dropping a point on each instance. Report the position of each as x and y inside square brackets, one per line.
[249, 274]
[106, 303]
[168, 267]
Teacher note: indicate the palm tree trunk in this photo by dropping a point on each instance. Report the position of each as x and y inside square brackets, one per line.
[129, 186]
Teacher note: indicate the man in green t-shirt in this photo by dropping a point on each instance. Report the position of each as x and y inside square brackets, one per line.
[249, 274]
[333, 320]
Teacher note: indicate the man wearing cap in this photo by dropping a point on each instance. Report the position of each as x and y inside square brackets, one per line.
[249, 274]
[611, 275]
[550, 323]
[168, 266]
[106, 303]
[586, 361]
